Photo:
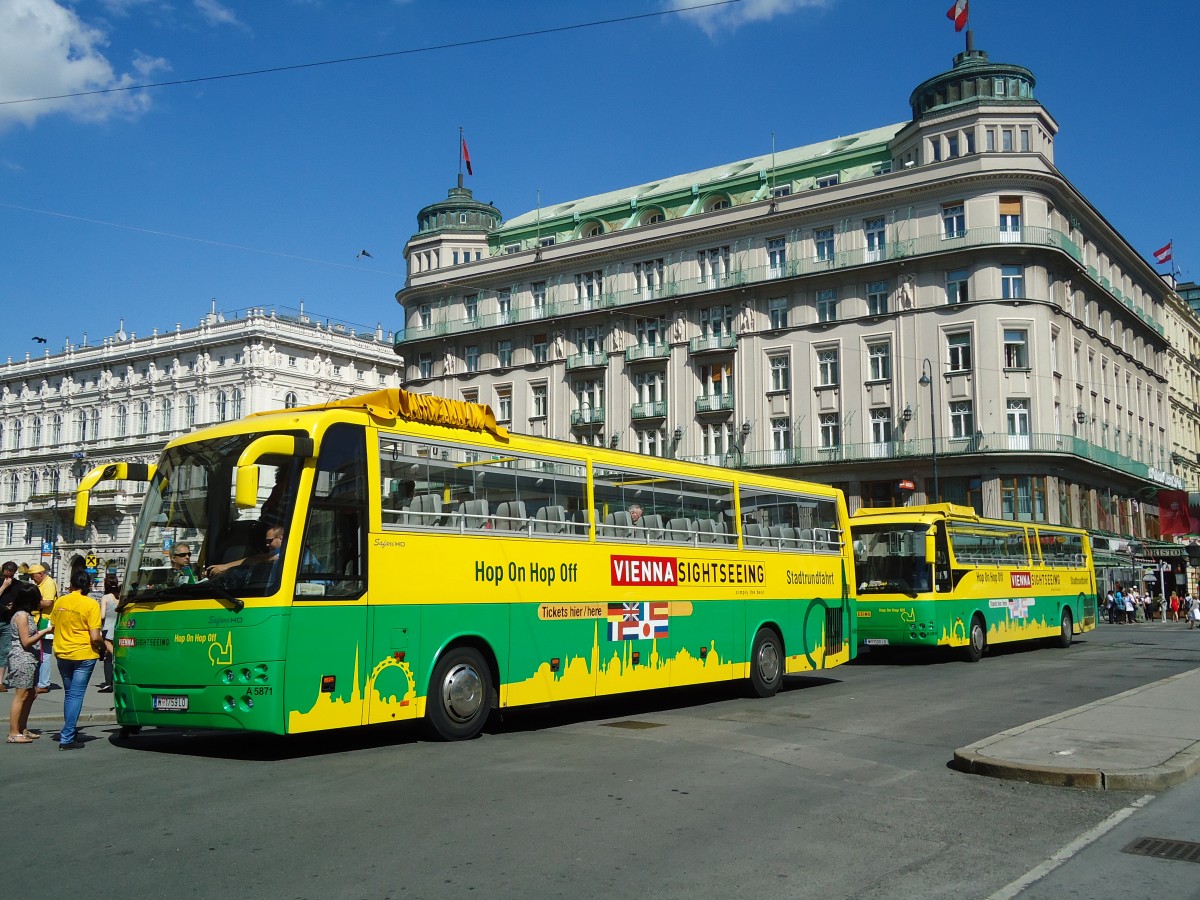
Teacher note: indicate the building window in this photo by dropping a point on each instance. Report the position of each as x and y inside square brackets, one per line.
[37, 432]
[537, 400]
[504, 354]
[538, 289]
[504, 403]
[831, 431]
[504, 306]
[970, 141]
[881, 426]
[425, 315]
[781, 440]
[56, 429]
[546, 241]
[827, 180]
[1010, 219]
[650, 331]
[781, 372]
[957, 286]
[122, 420]
[1024, 140]
[166, 415]
[290, 401]
[877, 298]
[958, 351]
[827, 301]
[716, 380]
[954, 220]
[776, 257]
[589, 398]
[650, 442]
[1012, 282]
[962, 420]
[648, 277]
[716, 321]
[588, 340]
[714, 265]
[827, 368]
[81, 420]
[823, 240]
[715, 441]
[143, 420]
[935, 148]
[471, 307]
[879, 361]
[951, 146]
[1016, 348]
[874, 231]
[1018, 423]
[1023, 498]
[472, 357]
[425, 365]
[777, 311]
[189, 411]
[648, 387]
[541, 347]
[235, 401]
[587, 287]
[990, 141]
[1006, 140]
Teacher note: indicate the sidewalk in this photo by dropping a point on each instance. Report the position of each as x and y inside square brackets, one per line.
[47, 712]
[1146, 739]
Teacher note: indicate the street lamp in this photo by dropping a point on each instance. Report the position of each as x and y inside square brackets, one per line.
[926, 380]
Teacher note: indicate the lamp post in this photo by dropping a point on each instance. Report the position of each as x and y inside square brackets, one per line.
[926, 380]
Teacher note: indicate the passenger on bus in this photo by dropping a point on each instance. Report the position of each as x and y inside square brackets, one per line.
[274, 551]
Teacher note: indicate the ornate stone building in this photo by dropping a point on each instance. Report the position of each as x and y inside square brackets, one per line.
[124, 397]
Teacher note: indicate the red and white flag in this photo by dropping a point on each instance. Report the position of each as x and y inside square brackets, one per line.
[467, 157]
[1163, 254]
[958, 12]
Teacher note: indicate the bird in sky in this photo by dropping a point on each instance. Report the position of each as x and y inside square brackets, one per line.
[40, 340]
[362, 253]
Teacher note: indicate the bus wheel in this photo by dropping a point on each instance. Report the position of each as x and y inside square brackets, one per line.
[128, 731]
[766, 663]
[459, 696]
[1064, 630]
[978, 642]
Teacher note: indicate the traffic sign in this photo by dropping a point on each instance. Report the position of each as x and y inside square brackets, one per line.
[93, 562]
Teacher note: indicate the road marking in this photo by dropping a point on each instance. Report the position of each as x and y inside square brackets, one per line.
[1039, 872]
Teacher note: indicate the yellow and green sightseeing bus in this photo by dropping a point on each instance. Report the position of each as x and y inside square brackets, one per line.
[396, 556]
[940, 575]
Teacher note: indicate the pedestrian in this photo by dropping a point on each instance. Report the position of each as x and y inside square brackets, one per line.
[77, 647]
[1129, 606]
[49, 591]
[1118, 605]
[8, 578]
[21, 666]
[108, 625]
[1173, 606]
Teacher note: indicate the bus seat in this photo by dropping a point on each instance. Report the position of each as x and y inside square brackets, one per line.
[579, 521]
[706, 531]
[618, 524]
[243, 538]
[653, 524]
[680, 530]
[471, 514]
[753, 534]
[550, 520]
[510, 516]
[425, 509]
[784, 537]
[806, 540]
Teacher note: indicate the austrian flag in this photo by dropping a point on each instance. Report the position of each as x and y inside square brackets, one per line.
[958, 13]
[1164, 254]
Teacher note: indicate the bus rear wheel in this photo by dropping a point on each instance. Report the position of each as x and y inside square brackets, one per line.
[460, 695]
[1064, 630]
[977, 642]
[766, 663]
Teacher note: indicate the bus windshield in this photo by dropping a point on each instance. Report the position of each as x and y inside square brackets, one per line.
[891, 559]
[189, 522]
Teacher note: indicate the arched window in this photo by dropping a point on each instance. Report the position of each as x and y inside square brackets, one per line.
[189, 414]
[1, 435]
[80, 425]
[36, 439]
[56, 430]
[651, 217]
[14, 485]
[166, 414]
[143, 417]
[715, 203]
[122, 420]
[222, 406]
[16, 434]
[94, 425]
[236, 404]
[290, 401]
[35, 483]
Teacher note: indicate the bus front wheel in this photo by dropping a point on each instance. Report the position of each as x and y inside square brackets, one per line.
[460, 694]
[1064, 630]
[766, 663]
[978, 640]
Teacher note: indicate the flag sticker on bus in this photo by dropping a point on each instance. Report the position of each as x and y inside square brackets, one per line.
[1021, 579]
[645, 571]
[638, 621]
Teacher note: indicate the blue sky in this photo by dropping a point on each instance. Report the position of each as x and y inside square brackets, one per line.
[262, 190]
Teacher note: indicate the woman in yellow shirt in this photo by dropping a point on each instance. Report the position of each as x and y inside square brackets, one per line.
[77, 643]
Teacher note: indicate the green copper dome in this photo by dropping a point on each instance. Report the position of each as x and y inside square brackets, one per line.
[972, 80]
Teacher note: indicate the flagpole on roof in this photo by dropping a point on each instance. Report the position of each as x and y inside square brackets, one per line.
[460, 146]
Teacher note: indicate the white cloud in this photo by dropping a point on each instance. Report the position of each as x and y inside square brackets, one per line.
[716, 19]
[216, 13]
[47, 50]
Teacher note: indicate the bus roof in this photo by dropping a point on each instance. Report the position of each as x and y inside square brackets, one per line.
[936, 512]
[397, 403]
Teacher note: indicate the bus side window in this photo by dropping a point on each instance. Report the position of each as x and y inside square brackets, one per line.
[333, 560]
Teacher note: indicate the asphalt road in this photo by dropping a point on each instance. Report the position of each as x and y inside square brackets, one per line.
[838, 787]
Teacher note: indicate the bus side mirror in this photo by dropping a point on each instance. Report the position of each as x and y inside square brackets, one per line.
[245, 492]
[107, 472]
[930, 549]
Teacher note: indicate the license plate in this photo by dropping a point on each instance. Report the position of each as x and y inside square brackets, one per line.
[170, 703]
[870, 642]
